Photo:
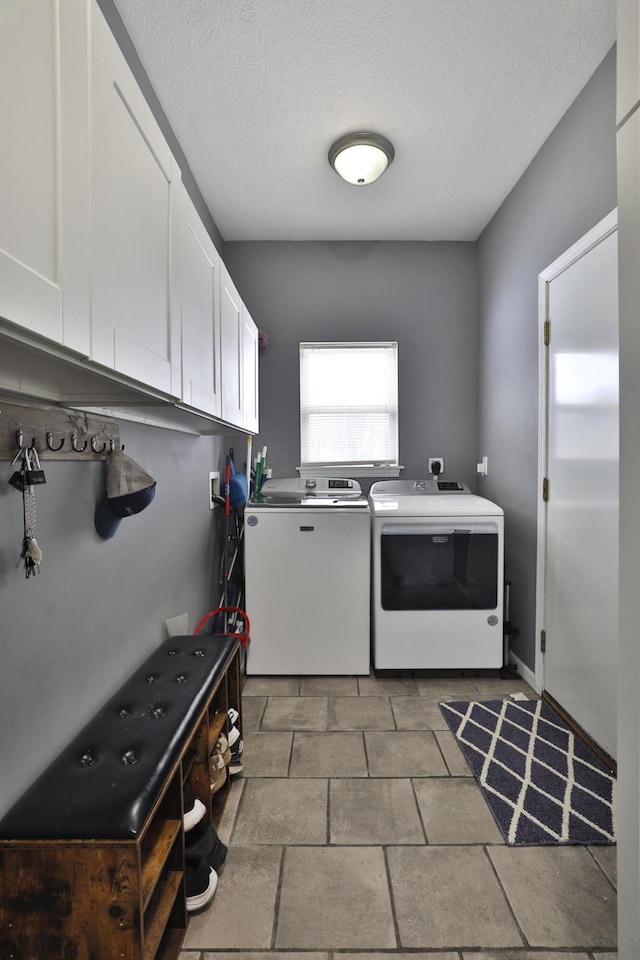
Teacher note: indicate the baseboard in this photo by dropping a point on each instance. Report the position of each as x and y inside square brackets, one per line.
[577, 729]
[523, 670]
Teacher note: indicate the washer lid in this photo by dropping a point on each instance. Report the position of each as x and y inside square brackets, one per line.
[307, 503]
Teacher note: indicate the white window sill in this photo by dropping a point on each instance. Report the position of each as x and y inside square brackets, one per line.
[353, 471]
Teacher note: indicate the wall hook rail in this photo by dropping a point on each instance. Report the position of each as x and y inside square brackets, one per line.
[57, 433]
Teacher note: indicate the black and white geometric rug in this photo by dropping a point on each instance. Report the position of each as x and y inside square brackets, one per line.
[542, 784]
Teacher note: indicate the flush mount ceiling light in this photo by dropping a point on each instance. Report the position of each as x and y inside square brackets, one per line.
[361, 157]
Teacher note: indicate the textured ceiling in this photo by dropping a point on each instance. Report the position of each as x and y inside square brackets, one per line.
[256, 91]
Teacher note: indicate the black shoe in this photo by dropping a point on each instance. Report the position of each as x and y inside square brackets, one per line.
[218, 855]
[235, 743]
[205, 842]
[200, 882]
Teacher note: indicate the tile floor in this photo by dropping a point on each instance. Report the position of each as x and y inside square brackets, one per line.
[356, 830]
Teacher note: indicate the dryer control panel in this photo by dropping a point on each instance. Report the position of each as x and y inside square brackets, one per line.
[452, 486]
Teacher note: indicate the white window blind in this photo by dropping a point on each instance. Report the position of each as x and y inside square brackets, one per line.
[348, 403]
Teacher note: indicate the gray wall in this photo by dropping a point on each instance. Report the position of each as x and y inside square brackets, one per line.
[421, 294]
[72, 633]
[568, 188]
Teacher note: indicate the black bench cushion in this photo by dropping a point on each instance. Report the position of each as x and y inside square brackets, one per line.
[104, 784]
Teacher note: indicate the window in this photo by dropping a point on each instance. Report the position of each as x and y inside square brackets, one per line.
[348, 403]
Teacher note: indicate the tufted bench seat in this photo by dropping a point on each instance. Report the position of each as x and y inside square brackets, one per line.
[105, 783]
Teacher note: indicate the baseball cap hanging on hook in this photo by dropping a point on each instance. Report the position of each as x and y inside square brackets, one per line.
[130, 490]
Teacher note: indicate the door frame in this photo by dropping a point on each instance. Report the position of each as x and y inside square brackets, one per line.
[596, 235]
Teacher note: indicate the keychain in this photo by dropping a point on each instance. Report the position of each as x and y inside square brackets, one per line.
[31, 474]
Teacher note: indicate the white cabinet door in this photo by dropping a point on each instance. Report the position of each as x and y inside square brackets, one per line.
[231, 349]
[250, 408]
[44, 169]
[627, 57]
[239, 352]
[135, 316]
[200, 313]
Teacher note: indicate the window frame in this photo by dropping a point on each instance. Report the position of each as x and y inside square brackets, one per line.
[388, 466]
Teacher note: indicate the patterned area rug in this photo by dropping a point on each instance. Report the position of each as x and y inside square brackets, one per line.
[542, 783]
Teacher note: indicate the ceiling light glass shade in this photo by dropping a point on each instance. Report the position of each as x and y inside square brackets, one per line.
[361, 157]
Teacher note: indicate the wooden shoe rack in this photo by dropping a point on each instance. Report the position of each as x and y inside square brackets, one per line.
[92, 867]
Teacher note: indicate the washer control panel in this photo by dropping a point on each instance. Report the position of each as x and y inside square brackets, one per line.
[317, 487]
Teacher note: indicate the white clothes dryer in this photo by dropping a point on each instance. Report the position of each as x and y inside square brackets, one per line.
[437, 577]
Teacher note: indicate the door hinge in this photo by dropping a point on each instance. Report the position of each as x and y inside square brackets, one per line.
[547, 332]
[543, 641]
[545, 489]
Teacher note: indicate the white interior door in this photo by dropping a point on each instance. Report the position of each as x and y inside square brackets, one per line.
[581, 530]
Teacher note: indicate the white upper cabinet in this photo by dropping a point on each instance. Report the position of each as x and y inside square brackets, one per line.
[250, 412]
[231, 349]
[102, 252]
[239, 351]
[627, 57]
[44, 170]
[200, 313]
[135, 199]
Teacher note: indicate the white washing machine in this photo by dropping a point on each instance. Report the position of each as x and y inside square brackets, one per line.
[437, 577]
[307, 578]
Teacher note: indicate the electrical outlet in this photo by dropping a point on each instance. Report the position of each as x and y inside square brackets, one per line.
[177, 626]
[214, 487]
[483, 467]
[439, 460]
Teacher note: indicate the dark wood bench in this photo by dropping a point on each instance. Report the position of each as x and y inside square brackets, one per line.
[92, 854]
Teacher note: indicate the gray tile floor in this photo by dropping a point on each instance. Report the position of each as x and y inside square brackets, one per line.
[356, 829]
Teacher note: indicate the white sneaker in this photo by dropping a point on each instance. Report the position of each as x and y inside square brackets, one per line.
[194, 809]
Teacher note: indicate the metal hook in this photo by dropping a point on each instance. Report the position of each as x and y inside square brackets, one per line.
[50, 438]
[74, 437]
[94, 447]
